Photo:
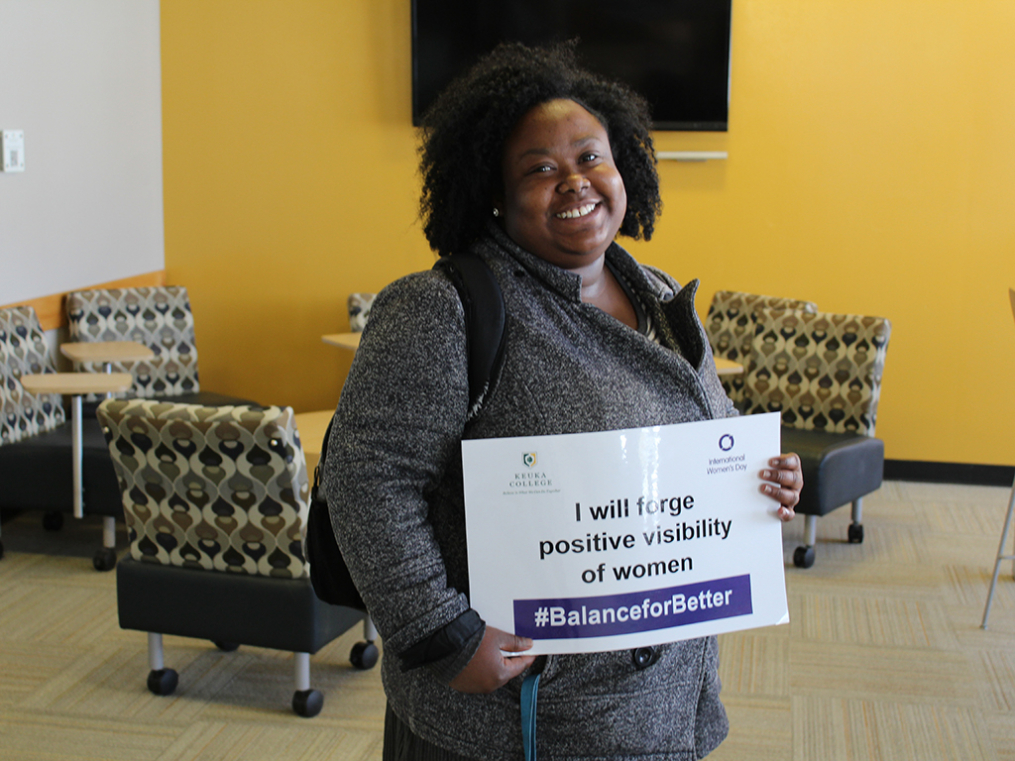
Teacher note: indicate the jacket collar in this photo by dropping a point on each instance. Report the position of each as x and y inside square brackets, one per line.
[568, 284]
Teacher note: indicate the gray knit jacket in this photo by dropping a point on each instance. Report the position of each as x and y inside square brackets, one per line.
[393, 480]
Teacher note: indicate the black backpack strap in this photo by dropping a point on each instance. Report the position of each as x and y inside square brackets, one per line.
[484, 329]
[483, 303]
[329, 575]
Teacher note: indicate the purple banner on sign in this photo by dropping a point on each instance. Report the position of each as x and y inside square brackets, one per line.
[609, 615]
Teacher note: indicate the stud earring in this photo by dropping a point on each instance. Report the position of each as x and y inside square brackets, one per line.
[496, 212]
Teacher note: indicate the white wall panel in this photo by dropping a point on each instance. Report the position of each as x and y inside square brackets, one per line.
[82, 78]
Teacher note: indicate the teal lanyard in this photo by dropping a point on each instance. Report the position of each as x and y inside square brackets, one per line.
[530, 687]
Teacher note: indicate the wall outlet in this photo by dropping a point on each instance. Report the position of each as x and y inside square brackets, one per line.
[13, 150]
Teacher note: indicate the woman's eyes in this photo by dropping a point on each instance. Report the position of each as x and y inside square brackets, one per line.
[585, 158]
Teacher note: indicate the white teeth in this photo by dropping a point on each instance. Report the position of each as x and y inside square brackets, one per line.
[581, 211]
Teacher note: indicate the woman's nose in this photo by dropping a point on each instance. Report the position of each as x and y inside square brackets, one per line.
[573, 181]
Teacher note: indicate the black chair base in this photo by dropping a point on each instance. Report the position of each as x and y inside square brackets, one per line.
[838, 468]
[232, 610]
[37, 474]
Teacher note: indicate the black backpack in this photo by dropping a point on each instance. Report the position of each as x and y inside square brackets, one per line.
[484, 329]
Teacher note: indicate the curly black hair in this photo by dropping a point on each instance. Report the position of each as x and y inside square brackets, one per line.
[464, 132]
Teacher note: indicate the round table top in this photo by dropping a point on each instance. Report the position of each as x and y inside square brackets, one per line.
[312, 426]
[106, 351]
[727, 367]
[76, 384]
[343, 340]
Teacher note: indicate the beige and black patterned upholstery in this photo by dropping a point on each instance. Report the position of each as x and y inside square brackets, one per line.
[822, 371]
[158, 317]
[360, 305]
[36, 471]
[216, 501]
[23, 351]
[216, 488]
[730, 326]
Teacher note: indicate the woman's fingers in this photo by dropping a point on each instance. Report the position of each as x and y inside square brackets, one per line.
[489, 667]
[512, 643]
[786, 480]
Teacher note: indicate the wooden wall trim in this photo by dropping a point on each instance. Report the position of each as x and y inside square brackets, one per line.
[50, 308]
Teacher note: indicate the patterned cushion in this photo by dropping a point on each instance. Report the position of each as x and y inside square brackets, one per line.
[360, 305]
[218, 488]
[23, 351]
[730, 327]
[822, 371]
[159, 318]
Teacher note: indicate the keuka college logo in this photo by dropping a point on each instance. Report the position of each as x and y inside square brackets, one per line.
[530, 478]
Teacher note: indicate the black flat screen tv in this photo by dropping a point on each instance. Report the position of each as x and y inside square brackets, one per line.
[676, 53]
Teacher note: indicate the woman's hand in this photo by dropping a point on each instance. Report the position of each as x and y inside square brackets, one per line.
[788, 479]
[488, 669]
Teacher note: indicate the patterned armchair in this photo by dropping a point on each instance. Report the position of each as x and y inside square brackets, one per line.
[730, 326]
[823, 373]
[216, 502]
[23, 351]
[161, 319]
[36, 438]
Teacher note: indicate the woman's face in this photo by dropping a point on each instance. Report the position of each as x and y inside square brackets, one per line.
[564, 199]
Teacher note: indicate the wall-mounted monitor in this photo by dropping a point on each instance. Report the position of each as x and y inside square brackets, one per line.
[674, 52]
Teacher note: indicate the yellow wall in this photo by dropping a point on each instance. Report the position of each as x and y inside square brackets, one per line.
[871, 167]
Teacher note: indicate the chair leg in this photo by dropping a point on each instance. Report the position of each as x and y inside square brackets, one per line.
[1001, 557]
[105, 558]
[804, 555]
[161, 681]
[855, 532]
[369, 630]
[306, 702]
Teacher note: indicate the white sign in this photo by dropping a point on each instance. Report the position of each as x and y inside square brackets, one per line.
[620, 539]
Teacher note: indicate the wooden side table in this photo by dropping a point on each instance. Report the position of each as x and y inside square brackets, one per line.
[312, 426]
[343, 340]
[727, 367]
[76, 385]
[106, 352]
[350, 341]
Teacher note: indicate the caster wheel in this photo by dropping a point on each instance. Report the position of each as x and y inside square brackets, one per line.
[105, 559]
[162, 682]
[307, 703]
[803, 557]
[855, 533]
[364, 655]
[52, 521]
[226, 647]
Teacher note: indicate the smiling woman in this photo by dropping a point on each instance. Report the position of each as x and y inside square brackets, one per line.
[534, 166]
[564, 199]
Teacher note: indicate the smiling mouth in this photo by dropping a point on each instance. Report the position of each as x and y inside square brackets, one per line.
[581, 211]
